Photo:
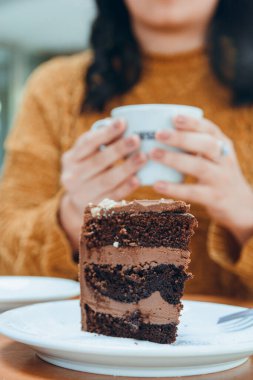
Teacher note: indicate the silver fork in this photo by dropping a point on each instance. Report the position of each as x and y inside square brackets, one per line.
[241, 320]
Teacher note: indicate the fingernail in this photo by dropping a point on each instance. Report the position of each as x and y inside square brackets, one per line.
[131, 141]
[139, 158]
[158, 153]
[134, 182]
[164, 135]
[180, 119]
[160, 186]
[119, 125]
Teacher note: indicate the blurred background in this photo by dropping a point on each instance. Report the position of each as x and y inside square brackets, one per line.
[31, 32]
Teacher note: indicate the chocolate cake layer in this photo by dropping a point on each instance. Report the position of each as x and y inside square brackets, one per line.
[133, 256]
[131, 284]
[153, 309]
[132, 326]
[146, 229]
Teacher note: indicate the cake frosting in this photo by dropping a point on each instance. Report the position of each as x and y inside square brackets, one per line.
[137, 256]
[153, 309]
[109, 206]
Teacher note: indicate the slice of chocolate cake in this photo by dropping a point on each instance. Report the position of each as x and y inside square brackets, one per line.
[133, 262]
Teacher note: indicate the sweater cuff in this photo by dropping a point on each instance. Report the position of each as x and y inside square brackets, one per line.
[224, 249]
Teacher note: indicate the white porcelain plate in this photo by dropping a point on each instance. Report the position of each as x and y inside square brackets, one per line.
[18, 291]
[53, 330]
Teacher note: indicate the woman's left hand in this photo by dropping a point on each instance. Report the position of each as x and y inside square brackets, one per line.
[209, 156]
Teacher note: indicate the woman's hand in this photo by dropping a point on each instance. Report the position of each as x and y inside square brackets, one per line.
[221, 186]
[89, 174]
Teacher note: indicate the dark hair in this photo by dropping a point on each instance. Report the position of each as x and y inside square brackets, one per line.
[117, 63]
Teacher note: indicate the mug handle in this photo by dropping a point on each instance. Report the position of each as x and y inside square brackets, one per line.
[101, 123]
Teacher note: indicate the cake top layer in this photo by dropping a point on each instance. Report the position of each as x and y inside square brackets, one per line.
[160, 205]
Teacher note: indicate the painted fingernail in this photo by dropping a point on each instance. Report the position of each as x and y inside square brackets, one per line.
[158, 153]
[160, 186]
[119, 125]
[180, 119]
[134, 182]
[139, 158]
[164, 135]
[131, 141]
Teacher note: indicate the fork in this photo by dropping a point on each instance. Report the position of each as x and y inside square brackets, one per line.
[237, 321]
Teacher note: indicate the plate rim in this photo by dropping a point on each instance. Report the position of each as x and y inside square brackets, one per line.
[171, 351]
[50, 297]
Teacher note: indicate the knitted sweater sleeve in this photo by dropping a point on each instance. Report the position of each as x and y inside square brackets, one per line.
[222, 246]
[32, 241]
[225, 251]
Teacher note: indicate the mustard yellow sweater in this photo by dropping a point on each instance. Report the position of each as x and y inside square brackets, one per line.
[48, 123]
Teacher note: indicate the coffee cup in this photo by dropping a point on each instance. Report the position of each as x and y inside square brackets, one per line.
[145, 120]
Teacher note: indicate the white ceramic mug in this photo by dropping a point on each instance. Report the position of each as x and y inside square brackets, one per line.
[145, 120]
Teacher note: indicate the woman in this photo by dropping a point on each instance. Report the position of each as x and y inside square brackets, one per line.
[145, 51]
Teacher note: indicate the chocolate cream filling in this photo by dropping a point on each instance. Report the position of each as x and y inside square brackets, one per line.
[135, 256]
[153, 309]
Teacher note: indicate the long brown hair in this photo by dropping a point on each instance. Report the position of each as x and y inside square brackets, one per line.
[117, 63]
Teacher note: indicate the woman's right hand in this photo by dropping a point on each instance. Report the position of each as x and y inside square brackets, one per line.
[89, 174]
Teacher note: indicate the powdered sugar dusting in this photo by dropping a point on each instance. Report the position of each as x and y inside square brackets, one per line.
[106, 204]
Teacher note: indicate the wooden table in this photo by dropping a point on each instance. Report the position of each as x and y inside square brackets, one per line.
[19, 362]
